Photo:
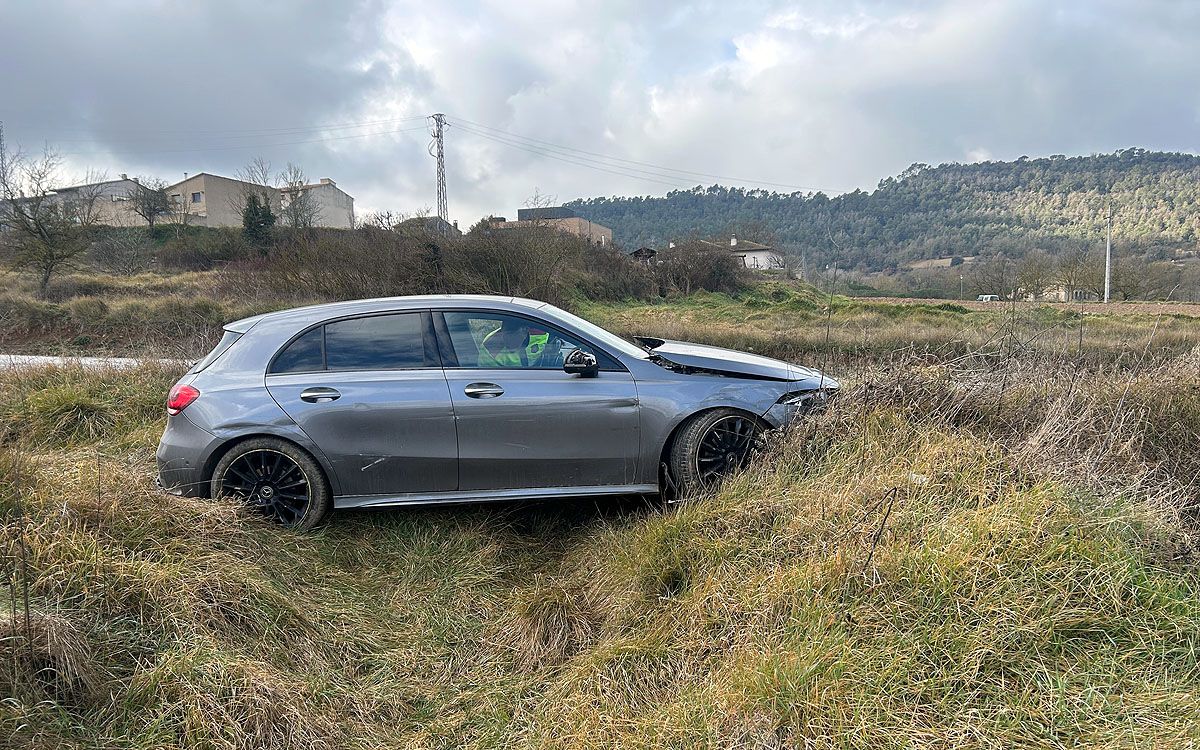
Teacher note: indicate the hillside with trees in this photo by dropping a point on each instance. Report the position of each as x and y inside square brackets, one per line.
[1054, 206]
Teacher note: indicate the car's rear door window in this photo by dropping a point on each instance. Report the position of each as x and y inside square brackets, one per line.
[380, 342]
[305, 354]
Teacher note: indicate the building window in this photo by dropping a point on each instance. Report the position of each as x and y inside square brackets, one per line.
[175, 198]
[195, 197]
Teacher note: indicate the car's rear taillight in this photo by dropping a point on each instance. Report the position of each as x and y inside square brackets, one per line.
[179, 398]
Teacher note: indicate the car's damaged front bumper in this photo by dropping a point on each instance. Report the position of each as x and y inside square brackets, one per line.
[796, 404]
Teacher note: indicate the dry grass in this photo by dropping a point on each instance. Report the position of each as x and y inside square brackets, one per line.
[798, 324]
[982, 546]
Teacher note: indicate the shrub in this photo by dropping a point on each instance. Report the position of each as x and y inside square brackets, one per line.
[87, 311]
[693, 266]
[125, 253]
[21, 315]
[203, 251]
[81, 285]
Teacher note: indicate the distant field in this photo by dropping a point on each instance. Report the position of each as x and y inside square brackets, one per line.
[180, 316]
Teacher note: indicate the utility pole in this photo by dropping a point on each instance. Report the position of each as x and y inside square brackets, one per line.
[1108, 256]
[438, 150]
[3, 153]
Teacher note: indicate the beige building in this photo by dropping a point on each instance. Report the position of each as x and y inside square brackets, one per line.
[330, 205]
[213, 201]
[562, 219]
[107, 202]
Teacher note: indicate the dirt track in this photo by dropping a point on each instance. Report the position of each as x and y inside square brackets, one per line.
[1112, 308]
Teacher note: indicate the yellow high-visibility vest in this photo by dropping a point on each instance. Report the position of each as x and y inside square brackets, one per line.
[528, 357]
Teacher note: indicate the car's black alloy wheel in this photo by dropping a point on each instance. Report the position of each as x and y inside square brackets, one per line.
[726, 446]
[711, 445]
[274, 478]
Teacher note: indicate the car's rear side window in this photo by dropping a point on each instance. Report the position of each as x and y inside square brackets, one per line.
[381, 342]
[227, 340]
[397, 341]
[305, 354]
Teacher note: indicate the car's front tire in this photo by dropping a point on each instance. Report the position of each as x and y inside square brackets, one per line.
[710, 445]
[275, 478]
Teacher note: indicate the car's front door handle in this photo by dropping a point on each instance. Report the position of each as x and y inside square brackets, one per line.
[483, 390]
[319, 395]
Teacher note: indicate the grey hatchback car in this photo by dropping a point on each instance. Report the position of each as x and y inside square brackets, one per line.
[457, 398]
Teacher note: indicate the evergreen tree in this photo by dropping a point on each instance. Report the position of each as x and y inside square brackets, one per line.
[257, 221]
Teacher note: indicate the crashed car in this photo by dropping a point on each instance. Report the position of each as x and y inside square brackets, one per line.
[462, 398]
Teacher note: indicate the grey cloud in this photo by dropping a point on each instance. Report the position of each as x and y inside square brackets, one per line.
[825, 94]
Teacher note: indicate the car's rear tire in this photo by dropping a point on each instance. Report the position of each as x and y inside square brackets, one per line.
[275, 478]
[710, 445]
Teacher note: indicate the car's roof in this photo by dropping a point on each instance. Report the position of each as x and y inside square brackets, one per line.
[315, 313]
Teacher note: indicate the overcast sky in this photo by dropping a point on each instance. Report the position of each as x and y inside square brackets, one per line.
[816, 95]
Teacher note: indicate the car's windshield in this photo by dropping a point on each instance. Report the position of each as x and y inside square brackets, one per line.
[598, 334]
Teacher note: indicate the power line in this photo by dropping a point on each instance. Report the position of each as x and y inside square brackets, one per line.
[251, 132]
[240, 147]
[576, 158]
[615, 165]
[610, 169]
[545, 144]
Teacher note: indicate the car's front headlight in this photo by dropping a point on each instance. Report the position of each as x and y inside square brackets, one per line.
[808, 401]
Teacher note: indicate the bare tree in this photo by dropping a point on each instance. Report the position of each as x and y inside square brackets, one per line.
[995, 275]
[384, 220]
[1135, 278]
[46, 233]
[259, 181]
[299, 207]
[82, 204]
[148, 199]
[1035, 273]
[179, 213]
[257, 172]
[1074, 270]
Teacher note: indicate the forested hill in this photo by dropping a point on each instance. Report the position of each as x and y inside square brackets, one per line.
[950, 209]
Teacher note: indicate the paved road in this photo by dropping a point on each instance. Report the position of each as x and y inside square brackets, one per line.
[13, 361]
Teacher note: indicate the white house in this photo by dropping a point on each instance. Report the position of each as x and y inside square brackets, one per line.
[753, 254]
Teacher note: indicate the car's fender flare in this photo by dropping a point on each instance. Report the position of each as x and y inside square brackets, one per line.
[665, 450]
[298, 439]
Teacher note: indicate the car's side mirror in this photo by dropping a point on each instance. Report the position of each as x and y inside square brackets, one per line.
[578, 362]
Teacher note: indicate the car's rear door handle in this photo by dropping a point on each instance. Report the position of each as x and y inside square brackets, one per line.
[483, 390]
[319, 395]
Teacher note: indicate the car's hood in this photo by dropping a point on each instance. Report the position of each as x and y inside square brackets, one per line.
[729, 361]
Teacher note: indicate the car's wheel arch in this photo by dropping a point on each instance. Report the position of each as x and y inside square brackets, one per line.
[665, 450]
[223, 448]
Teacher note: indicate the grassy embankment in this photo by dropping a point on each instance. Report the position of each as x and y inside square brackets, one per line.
[952, 557]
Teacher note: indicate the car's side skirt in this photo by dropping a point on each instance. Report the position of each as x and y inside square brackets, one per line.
[479, 496]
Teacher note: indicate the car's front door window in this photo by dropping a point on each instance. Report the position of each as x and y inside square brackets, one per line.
[495, 340]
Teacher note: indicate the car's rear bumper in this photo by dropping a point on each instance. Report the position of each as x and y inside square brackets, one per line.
[182, 455]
